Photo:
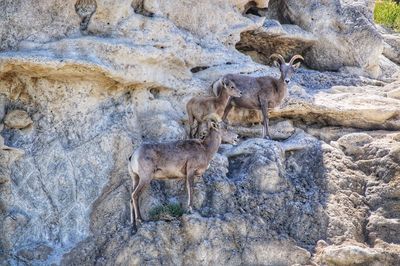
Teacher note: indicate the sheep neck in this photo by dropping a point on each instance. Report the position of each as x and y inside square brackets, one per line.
[211, 143]
[223, 98]
[282, 87]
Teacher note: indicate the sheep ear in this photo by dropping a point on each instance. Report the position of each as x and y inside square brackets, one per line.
[214, 124]
[224, 81]
[209, 124]
[276, 64]
[296, 66]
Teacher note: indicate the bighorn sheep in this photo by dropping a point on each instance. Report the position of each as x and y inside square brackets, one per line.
[261, 93]
[184, 159]
[198, 108]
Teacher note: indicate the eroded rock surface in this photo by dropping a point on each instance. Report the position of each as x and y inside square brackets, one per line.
[17, 119]
[345, 33]
[273, 37]
[392, 47]
[95, 79]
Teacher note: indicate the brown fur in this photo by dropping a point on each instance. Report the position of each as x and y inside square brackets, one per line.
[261, 93]
[199, 108]
[185, 159]
[226, 135]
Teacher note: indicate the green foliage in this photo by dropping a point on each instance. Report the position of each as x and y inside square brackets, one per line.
[387, 13]
[166, 212]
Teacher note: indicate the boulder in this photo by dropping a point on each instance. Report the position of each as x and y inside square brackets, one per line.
[391, 48]
[18, 119]
[349, 254]
[345, 31]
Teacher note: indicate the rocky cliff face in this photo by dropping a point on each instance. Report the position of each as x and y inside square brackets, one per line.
[84, 83]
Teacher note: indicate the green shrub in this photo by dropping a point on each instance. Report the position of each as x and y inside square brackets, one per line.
[387, 13]
[166, 212]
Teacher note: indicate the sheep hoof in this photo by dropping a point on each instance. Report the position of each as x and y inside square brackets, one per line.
[190, 210]
[267, 137]
[139, 222]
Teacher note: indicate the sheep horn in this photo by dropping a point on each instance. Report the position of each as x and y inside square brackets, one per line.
[294, 58]
[278, 56]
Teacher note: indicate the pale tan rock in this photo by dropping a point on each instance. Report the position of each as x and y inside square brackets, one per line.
[353, 144]
[191, 16]
[394, 93]
[350, 255]
[391, 47]
[344, 29]
[329, 134]
[18, 119]
[45, 22]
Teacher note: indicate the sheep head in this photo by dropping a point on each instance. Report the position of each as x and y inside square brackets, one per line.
[287, 69]
[230, 87]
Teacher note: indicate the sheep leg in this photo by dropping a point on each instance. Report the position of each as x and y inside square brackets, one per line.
[227, 110]
[135, 199]
[264, 109]
[189, 188]
[190, 132]
[131, 207]
[200, 134]
[197, 132]
[135, 183]
[193, 130]
[191, 122]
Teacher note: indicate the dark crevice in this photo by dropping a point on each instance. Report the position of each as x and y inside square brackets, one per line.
[155, 92]
[138, 7]
[252, 9]
[201, 68]
[85, 9]
[257, 11]
[278, 10]
[198, 69]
